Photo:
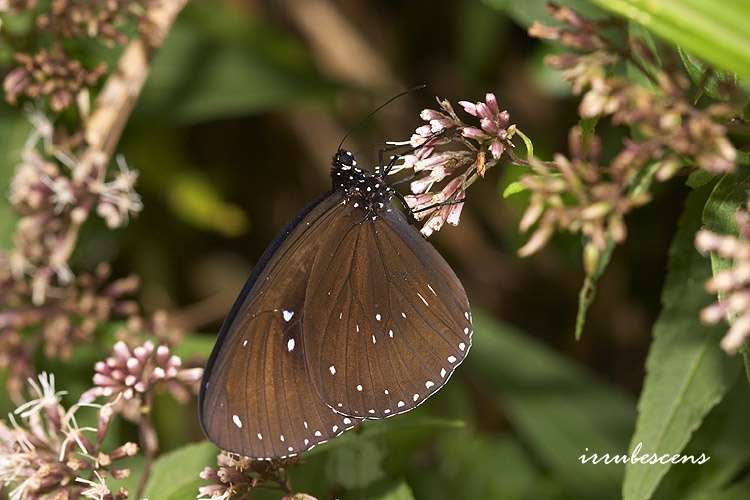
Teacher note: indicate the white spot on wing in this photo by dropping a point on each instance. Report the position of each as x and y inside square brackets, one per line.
[442, 372]
[415, 397]
[347, 421]
[244, 343]
[287, 315]
[377, 316]
[390, 333]
[429, 384]
[462, 346]
[373, 340]
[359, 387]
[260, 436]
[400, 404]
[237, 421]
[290, 345]
[423, 299]
[318, 433]
[432, 290]
[332, 369]
[451, 359]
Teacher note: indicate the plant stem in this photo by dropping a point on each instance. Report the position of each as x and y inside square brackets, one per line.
[148, 440]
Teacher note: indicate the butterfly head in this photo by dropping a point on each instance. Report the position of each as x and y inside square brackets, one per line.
[362, 188]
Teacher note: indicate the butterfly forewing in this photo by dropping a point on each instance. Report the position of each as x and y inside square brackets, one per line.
[256, 398]
[386, 334]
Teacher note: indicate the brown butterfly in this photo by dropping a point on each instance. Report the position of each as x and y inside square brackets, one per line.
[349, 315]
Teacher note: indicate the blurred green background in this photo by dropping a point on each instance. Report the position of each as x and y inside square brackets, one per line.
[233, 135]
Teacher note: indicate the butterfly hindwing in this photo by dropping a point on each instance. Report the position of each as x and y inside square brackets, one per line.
[386, 334]
[256, 398]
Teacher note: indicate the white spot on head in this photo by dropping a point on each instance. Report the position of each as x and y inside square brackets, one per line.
[237, 421]
[400, 404]
[429, 384]
[332, 369]
[462, 346]
[318, 433]
[359, 387]
[423, 299]
[287, 315]
[377, 316]
[451, 359]
[290, 345]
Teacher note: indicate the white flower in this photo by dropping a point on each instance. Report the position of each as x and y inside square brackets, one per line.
[46, 396]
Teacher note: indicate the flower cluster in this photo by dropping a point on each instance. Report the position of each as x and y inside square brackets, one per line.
[54, 192]
[732, 285]
[91, 18]
[236, 476]
[49, 74]
[580, 194]
[447, 155]
[130, 373]
[44, 453]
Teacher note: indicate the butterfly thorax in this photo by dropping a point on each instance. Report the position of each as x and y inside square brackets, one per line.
[361, 188]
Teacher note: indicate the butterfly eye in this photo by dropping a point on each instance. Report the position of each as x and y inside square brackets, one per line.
[344, 158]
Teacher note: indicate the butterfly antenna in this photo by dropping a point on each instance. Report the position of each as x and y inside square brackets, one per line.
[372, 113]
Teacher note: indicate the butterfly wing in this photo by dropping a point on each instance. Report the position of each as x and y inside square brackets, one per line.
[256, 398]
[386, 334]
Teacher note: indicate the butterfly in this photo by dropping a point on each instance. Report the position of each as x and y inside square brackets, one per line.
[349, 315]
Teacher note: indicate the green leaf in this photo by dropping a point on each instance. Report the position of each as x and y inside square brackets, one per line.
[718, 35]
[235, 78]
[513, 188]
[687, 374]
[481, 465]
[699, 178]
[558, 407]
[383, 490]
[174, 475]
[641, 184]
[194, 199]
[729, 196]
[14, 129]
[697, 70]
[356, 465]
